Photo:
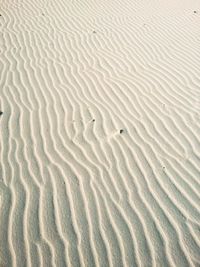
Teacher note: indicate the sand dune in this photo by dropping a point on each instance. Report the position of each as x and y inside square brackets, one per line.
[99, 133]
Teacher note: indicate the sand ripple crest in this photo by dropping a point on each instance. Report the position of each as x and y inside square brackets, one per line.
[99, 133]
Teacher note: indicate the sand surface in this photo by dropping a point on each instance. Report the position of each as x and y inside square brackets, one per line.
[99, 133]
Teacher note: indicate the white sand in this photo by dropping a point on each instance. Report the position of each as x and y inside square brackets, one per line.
[74, 191]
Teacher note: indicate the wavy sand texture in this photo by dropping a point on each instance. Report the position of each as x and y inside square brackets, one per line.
[100, 133]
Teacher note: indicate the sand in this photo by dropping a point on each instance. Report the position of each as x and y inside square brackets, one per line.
[99, 133]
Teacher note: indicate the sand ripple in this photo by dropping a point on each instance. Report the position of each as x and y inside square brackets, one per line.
[99, 133]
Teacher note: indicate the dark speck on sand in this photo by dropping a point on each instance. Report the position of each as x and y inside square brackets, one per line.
[195, 11]
[94, 32]
[121, 131]
[1, 113]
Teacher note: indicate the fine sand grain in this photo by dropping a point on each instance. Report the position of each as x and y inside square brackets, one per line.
[99, 133]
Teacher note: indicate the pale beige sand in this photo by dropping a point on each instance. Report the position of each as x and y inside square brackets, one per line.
[74, 190]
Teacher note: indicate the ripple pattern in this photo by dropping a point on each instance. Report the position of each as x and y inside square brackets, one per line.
[99, 133]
